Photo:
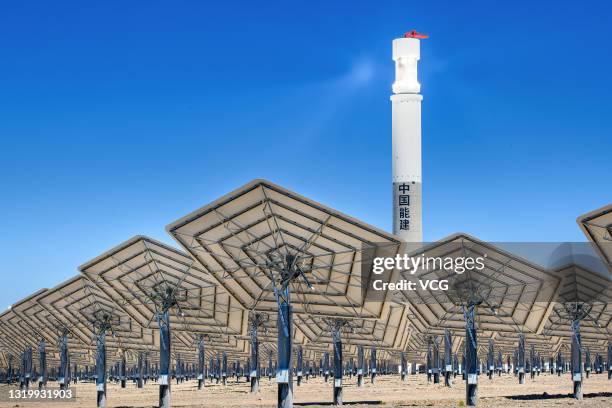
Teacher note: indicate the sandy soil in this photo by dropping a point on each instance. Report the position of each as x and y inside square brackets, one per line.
[389, 391]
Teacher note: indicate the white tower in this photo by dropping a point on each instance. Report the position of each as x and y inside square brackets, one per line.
[406, 131]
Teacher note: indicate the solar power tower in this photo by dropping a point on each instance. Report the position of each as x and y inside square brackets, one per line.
[276, 251]
[159, 286]
[507, 294]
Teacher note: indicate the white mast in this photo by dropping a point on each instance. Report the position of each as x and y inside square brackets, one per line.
[406, 131]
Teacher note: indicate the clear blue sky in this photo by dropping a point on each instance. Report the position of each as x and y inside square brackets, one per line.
[117, 118]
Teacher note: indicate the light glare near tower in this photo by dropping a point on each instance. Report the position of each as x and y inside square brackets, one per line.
[406, 133]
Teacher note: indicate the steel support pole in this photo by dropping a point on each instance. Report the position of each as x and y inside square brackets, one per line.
[22, 370]
[254, 375]
[122, 370]
[300, 365]
[140, 379]
[10, 369]
[404, 366]
[101, 368]
[576, 359]
[163, 321]
[520, 364]
[284, 375]
[42, 363]
[448, 358]
[218, 369]
[326, 366]
[587, 362]
[373, 363]
[471, 356]
[224, 368]
[609, 361]
[429, 361]
[247, 370]
[360, 366]
[490, 359]
[28, 366]
[532, 362]
[337, 366]
[436, 361]
[201, 362]
[63, 377]
[456, 368]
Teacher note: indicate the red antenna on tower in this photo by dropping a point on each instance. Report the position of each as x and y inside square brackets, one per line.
[415, 34]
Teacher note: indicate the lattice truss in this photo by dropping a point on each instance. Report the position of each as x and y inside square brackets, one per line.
[142, 274]
[597, 226]
[510, 293]
[267, 331]
[585, 296]
[508, 343]
[392, 332]
[29, 321]
[83, 309]
[16, 334]
[263, 237]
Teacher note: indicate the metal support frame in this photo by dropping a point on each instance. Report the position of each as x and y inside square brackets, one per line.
[285, 366]
[520, 355]
[63, 375]
[122, 370]
[609, 360]
[587, 362]
[576, 359]
[428, 363]
[533, 362]
[42, 363]
[435, 360]
[326, 366]
[336, 327]
[163, 320]
[491, 359]
[201, 363]
[404, 366]
[448, 358]
[373, 365]
[26, 368]
[224, 368]
[471, 356]
[360, 366]
[140, 379]
[9, 372]
[101, 367]
[299, 365]
[256, 319]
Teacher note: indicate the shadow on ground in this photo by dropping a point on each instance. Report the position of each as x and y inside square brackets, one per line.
[326, 404]
[545, 396]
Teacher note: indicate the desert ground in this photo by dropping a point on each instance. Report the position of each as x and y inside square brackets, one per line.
[388, 391]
